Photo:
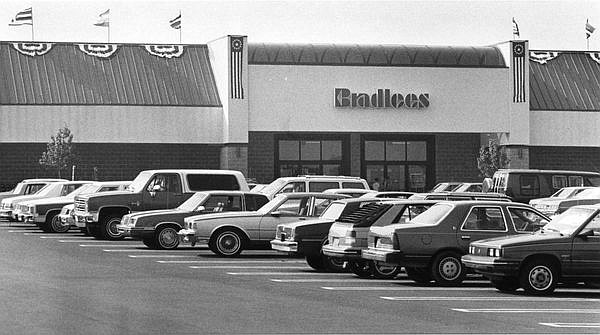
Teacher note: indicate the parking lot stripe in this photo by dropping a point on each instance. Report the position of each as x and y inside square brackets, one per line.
[571, 325]
[353, 280]
[231, 262]
[137, 250]
[533, 299]
[161, 256]
[110, 245]
[82, 241]
[528, 310]
[287, 274]
[66, 236]
[404, 288]
[246, 267]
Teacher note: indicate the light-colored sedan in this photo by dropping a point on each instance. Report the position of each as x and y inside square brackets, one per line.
[227, 234]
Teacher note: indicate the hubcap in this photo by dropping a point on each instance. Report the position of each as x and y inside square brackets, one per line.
[168, 238]
[112, 228]
[540, 277]
[58, 226]
[384, 269]
[228, 243]
[449, 268]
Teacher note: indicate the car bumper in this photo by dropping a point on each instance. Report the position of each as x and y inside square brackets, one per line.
[189, 237]
[383, 255]
[284, 246]
[84, 220]
[135, 232]
[6, 214]
[342, 252]
[491, 266]
[66, 219]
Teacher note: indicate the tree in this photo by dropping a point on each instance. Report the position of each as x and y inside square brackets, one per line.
[59, 152]
[490, 159]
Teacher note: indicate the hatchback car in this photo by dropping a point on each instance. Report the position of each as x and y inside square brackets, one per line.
[565, 250]
[228, 234]
[430, 246]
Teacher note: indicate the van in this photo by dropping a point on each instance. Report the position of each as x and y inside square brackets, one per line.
[312, 183]
[523, 185]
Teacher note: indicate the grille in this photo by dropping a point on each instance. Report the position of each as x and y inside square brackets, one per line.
[80, 205]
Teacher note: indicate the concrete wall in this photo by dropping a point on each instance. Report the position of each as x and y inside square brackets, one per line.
[565, 129]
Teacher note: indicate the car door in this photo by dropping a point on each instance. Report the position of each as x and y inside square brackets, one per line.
[480, 223]
[290, 210]
[585, 251]
[163, 191]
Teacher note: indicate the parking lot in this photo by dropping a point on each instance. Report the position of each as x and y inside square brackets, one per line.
[70, 283]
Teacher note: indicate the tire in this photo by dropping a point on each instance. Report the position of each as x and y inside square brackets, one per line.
[382, 271]
[334, 264]
[108, 228]
[166, 238]
[316, 262]
[361, 268]
[55, 226]
[538, 277]
[149, 242]
[447, 269]
[419, 275]
[506, 284]
[227, 243]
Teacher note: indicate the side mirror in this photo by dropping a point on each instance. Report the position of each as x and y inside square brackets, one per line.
[586, 233]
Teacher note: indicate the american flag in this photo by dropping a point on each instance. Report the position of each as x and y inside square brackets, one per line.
[589, 29]
[518, 52]
[236, 62]
[515, 28]
[176, 22]
[103, 19]
[23, 17]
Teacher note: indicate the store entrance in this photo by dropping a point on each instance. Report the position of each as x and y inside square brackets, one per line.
[398, 177]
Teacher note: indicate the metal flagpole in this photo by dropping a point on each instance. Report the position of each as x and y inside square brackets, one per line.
[32, 36]
[180, 25]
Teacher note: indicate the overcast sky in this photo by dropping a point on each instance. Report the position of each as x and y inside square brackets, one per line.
[551, 25]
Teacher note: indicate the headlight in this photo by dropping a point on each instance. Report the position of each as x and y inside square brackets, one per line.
[129, 221]
[384, 243]
[494, 252]
[31, 209]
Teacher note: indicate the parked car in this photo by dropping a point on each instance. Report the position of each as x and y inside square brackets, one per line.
[389, 194]
[312, 183]
[523, 185]
[431, 245]
[458, 196]
[347, 236]
[228, 234]
[66, 215]
[151, 189]
[307, 237]
[27, 187]
[566, 197]
[158, 229]
[468, 187]
[565, 250]
[353, 192]
[13, 212]
[444, 187]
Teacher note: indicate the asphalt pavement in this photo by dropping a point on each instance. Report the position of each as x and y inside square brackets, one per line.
[73, 284]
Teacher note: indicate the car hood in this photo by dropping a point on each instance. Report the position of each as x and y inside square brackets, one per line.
[223, 215]
[157, 212]
[51, 201]
[102, 194]
[306, 223]
[521, 239]
[21, 198]
[546, 201]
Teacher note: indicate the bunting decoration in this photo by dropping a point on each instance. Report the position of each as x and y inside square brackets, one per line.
[595, 56]
[33, 49]
[518, 54]
[236, 66]
[98, 50]
[542, 57]
[165, 51]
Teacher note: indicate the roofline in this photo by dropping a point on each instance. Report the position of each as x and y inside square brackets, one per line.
[103, 43]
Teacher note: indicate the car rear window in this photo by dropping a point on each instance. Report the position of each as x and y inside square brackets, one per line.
[205, 182]
[433, 215]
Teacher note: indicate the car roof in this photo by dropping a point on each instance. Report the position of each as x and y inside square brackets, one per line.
[303, 177]
[293, 195]
[546, 171]
[224, 192]
[42, 180]
[485, 203]
[204, 171]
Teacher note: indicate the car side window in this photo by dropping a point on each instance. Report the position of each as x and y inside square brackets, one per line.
[485, 218]
[255, 202]
[158, 180]
[293, 187]
[320, 205]
[33, 188]
[530, 185]
[223, 203]
[409, 212]
[594, 225]
[291, 207]
[320, 186]
[525, 220]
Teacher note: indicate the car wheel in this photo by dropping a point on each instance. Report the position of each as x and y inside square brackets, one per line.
[361, 268]
[226, 243]
[166, 238]
[334, 264]
[383, 271]
[447, 269]
[538, 277]
[108, 228]
[149, 242]
[418, 275]
[316, 262]
[506, 284]
[56, 226]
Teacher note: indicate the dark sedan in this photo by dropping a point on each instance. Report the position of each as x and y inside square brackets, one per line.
[431, 245]
[565, 250]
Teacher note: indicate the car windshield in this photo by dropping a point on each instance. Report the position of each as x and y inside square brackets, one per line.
[590, 193]
[18, 188]
[193, 202]
[83, 189]
[45, 190]
[433, 215]
[333, 211]
[273, 204]
[273, 187]
[563, 193]
[567, 222]
[595, 181]
[139, 182]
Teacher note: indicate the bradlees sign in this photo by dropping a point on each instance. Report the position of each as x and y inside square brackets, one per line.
[384, 98]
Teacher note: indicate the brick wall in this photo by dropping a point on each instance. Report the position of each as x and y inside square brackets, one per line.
[113, 161]
[456, 157]
[565, 158]
[261, 158]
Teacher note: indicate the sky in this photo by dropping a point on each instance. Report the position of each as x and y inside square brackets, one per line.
[548, 25]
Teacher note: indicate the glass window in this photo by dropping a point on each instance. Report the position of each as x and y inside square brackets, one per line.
[315, 186]
[416, 151]
[293, 187]
[33, 188]
[374, 150]
[526, 220]
[254, 202]
[332, 169]
[594, 225]
[485, 218]
[331, 150]
[204, 182]
[289, 170]
[320, 205]
[559, 182]
[291, 207]
[417, 175]
[310, 150]
[395, 151]
[575, 181]
[530, 185]
[352, 185]
[289, 150]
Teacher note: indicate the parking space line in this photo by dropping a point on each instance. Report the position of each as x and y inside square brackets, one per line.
[286, 274]
[532, 299]
[404, 288]
[230, 262]
[138, 250]
[73, 240]
[161, 256]
[310, 280]
[110, 245]
[246, 267]
[571, 325]
[46, 235]
[528, 310]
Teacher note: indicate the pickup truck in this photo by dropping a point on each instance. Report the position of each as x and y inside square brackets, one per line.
[151, 189]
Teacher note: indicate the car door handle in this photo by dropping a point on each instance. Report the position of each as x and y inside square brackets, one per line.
[301, 218]
[465, 237]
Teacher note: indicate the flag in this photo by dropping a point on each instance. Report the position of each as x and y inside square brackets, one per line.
[518, 53]
[235, 61]
[176, 22]
[589, 29]
[23, 17]
[103, 19]
[515, 28]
